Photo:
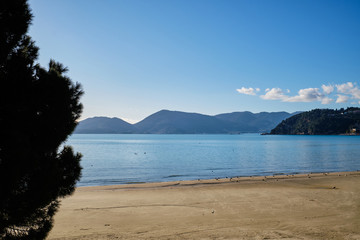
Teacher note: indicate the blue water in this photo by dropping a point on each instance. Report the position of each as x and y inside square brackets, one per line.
[119, 159]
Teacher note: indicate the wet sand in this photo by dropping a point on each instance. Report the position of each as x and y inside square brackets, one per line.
[314, 206]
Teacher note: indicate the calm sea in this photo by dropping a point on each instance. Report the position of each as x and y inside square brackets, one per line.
[110, 159]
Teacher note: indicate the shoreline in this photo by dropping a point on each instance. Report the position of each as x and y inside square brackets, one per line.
[273, 177]
[303, 206]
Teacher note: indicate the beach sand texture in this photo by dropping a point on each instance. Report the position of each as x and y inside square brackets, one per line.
[315, 206]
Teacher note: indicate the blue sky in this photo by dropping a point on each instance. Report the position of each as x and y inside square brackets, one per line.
[135, 57]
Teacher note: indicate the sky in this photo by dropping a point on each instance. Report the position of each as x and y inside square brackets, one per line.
[136, 57]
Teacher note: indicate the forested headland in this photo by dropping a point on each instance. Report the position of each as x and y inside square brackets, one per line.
[321, 122]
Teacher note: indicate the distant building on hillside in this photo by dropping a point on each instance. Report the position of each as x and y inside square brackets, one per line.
[355, 129]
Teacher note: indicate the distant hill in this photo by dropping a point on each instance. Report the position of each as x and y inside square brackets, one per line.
[321, 122]
[166, 121]
[104, 125]
[253, 122]
[175, 122]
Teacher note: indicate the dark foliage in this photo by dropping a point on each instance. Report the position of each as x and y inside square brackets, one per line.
[38, 111]
[321, 122]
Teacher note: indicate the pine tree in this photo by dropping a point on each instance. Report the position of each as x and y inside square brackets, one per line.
[38, 111]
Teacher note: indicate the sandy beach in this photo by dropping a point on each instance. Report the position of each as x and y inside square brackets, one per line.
[309, 206]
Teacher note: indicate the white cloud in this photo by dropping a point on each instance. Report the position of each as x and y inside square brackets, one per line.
[327, 89]
[248, 91]
[274, 94]
[350, 89]
[326, 100]
[306, 95]
[342, 98]
[342, 92]
[345, 87]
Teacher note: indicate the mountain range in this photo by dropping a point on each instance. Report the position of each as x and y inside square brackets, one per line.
[175, 122]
